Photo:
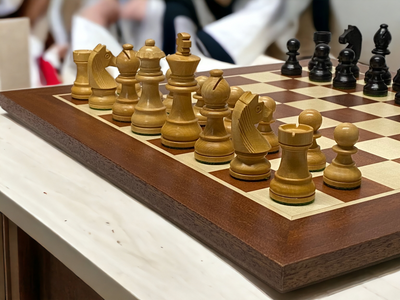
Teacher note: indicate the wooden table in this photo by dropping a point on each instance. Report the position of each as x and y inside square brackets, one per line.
[119, 248]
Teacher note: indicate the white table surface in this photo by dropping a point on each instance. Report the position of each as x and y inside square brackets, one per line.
[95, 228]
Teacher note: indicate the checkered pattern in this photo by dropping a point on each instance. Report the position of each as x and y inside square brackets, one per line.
[378, 120]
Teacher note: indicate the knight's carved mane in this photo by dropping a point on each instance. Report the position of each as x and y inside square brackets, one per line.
[247, 139]
[98, 76]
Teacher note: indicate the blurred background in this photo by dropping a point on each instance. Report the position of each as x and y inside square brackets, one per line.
[38, 36]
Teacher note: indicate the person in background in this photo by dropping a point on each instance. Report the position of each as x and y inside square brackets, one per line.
[232, 31]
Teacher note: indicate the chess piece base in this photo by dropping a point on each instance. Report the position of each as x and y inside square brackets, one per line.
[342, 177]
[249, 177]
[123, 112]
[213, 160]
[121, 118]
[320, 77]
[292, 191]
[102, 98]
[81, 92]
[291, 201]
[283, 199]
[146, 130]
[250, 167]
[345, 85]
[292, 70]
[376, 93]
[177, 144]
[342, 185]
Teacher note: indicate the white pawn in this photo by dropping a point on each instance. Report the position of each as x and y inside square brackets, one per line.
[236, 92]
[316, 159]
[200, 101]
[342, 173]
[265, 124]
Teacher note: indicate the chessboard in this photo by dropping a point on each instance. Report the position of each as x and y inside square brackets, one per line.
[287, 247]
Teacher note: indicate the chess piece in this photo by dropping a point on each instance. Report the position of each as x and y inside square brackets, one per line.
[344, 78]
[292, 183]
[214, 145]
[316, 159]
[396, 82]
[236, 92]
[250, 146]
[170, 97]
[320, 72]
[81, 89]
[397, 98]
[292, 67]
[321, 37]
[342, 173]
[181, 130]
[150, 113]
[200, 101]
[382, 39]
[264, 127]
[352, 36]
[127, 64]
[102, 83]
[376, 87]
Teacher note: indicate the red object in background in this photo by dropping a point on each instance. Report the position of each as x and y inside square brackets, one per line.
[48, 74]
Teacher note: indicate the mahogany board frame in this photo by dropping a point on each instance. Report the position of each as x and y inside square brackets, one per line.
[286, 254]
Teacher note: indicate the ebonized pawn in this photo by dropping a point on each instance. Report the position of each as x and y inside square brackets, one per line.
[321, 72]
[344, 77]
[397, 98]
[321, 37]
[376, 87]
[396, 82]
[292, 67]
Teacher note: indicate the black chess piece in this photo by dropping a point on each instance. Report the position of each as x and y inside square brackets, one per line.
[320, 72]
[352, 36]
[321, 37]
[397, 98]
[382, 39]
[344, 77]
[396, 82]
[376, 86]
[292, 67]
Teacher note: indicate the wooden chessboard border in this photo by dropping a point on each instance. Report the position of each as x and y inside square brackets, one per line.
[285, 254]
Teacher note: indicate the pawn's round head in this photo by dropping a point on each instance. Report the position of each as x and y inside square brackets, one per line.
[293, 45]
[311, 117]
[322, 50]
[200, 80]
[346, 135]
[346, 55]
[377, 61]
[236, 92]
